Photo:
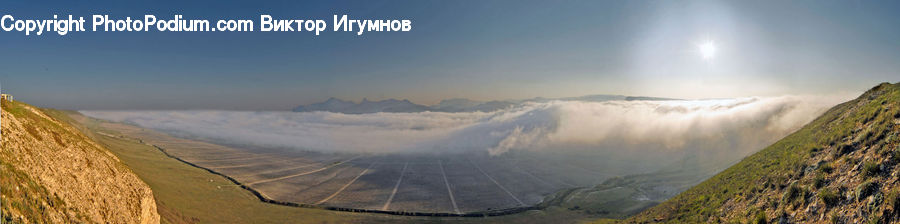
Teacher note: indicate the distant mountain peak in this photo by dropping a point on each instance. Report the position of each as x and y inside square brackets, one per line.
[336, 105]
[365, 106]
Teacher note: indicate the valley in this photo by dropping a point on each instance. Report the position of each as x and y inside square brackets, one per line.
[424, 184]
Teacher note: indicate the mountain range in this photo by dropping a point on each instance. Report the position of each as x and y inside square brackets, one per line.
[448, 105]
[348, 107]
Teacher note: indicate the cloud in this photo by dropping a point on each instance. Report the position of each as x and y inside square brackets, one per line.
[732, 125]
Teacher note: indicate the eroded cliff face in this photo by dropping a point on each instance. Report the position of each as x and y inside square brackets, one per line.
[54, 173]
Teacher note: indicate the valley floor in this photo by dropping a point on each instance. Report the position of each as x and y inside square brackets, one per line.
[187, 194]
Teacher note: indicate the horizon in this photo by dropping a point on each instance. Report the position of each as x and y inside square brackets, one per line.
[841, 94]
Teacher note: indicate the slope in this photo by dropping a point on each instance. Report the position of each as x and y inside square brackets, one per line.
[51, 173]
[840, 168]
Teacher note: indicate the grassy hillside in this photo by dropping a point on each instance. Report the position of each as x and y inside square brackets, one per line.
[51, 173]
[839, 168]
[621, 197]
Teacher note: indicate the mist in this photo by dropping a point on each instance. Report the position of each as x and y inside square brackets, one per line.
[733, 126]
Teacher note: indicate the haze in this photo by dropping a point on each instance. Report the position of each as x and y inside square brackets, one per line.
[478, 50]
[740, 125]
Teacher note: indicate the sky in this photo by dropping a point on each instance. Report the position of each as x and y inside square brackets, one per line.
[482, 50]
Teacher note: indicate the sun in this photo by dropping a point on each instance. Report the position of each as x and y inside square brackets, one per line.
[707, 50]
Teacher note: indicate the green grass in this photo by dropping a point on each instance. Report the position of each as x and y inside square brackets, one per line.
[819, 181]
[826, 168]
[791, 194]
[610, 202]
[893, 200]
[760, 218]
[829, 197]
[870, 169]
[780, 160]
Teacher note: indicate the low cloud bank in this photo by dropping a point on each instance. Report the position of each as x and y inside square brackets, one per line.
[741, 125]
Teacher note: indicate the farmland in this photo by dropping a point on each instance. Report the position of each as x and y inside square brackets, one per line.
[424, 183]
[409, 187]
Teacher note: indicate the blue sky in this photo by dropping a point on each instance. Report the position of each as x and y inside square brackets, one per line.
[481, 50]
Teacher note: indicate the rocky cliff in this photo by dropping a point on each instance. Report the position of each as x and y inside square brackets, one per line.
[52, 173]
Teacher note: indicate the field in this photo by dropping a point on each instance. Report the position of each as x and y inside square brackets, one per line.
[188, 194]
[397, 183]
[438, 184]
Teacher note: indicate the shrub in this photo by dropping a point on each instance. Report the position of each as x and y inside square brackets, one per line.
[819, 181]
[865, 135]
[835, 219]
[761, 218]
[893, 200]
[883, 149]
[826, 168]
[895, 158]
[829, 197]
[870, 169]
[791, 193]
[843, 149]
[814, 149]
[865, 189]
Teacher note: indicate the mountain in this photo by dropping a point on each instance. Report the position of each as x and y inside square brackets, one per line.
[593, 98]
[331, 105]
[52, 173]
[647, 98]
[466, 105]
[840, 168]
[366, 106]
[455, 105]
[402, 106]
[491, 106]
[449, 105]
[389, 105]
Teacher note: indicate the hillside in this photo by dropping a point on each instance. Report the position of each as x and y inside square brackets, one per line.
[52, 173]
[840, 168]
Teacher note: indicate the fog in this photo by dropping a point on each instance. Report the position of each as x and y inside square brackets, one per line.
[734, 126]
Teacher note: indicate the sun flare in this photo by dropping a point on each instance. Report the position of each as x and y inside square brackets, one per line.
[707, 50]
